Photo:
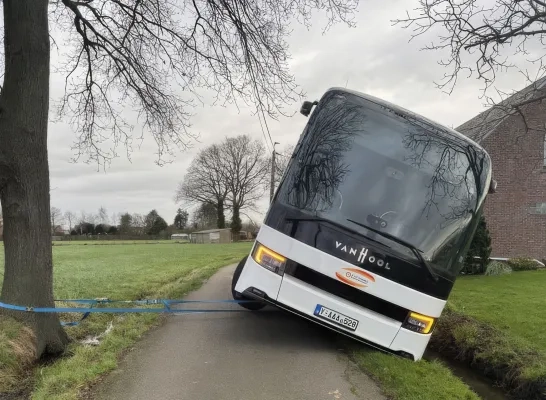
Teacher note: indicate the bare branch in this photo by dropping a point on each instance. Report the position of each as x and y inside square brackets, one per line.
[246, 169]
[158, 56]
[477, 35]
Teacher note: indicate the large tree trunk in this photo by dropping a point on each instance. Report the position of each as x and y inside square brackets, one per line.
[221, 221]
[24, 170]
[236, 224]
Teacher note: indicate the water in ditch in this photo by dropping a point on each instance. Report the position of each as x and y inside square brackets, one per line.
[482, 386]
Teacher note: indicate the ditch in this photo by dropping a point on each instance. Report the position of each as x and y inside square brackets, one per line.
[484, 387]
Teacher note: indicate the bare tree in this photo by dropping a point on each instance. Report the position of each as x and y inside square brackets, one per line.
[70, 217]
[92, 218]
[102, 215]
[246, 167]
[115, 219]
[138, 224]
[121, 54]
[57, 218]
[483, 38]
[84, 218]
[205, 182]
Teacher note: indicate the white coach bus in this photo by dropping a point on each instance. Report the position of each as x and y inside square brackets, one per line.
[370, 225]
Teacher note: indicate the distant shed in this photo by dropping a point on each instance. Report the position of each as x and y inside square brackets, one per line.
[180, 236]
[212, 236]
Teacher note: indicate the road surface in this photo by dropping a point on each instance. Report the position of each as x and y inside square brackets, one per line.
[264, 355]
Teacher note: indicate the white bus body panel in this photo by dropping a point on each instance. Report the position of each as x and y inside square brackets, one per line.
[304, 297]
[371, 326]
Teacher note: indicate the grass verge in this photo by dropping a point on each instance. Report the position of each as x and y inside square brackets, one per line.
[17, 352]
[65, 378]
[403, 379]
[513, 363]
[113, 242]
[493, 324]
[116, 272]
[514, 303]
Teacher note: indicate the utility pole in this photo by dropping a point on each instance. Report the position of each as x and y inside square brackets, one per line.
[272, 188]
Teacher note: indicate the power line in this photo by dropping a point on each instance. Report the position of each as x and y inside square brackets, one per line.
[268, 133]
[260, 114]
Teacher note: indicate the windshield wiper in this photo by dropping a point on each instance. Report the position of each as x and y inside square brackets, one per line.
[337, 224]
[414, 249]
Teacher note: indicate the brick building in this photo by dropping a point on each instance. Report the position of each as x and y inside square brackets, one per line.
[516, 213]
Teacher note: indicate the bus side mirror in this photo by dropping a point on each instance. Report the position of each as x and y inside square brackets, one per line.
[307, 106]
[493, 186]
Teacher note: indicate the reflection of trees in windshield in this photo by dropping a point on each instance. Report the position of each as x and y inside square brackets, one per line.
[457, 172]
[358, 160]
[455, 189]
[320, 168]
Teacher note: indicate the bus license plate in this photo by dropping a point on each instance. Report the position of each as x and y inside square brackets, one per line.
[336, 317]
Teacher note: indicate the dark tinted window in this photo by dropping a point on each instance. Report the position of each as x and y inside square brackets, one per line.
[360, 161]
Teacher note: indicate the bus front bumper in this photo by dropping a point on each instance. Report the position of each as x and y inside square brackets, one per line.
[303, 299]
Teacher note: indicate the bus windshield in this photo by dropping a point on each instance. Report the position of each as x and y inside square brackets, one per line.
[361, 165]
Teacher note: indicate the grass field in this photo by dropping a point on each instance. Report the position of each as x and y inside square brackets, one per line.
[403, 379]
[511, 306]
[513, 303]
[113, 242]
[496, 324]
[117, 272]
[166, 269]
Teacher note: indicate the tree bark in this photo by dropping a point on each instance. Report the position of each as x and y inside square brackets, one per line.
[24, 170]
[221, 217]
[236, 224]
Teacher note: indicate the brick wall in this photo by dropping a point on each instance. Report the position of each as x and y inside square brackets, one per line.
[517, 158]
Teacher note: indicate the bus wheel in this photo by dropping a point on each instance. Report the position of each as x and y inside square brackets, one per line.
[254, 305]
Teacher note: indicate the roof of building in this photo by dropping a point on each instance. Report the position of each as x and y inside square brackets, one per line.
[482, 125]
[213, 230]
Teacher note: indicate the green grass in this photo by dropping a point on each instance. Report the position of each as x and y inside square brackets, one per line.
[132, 272]
[116, 272]
[112, 242]
[514, 303]
[496, 325]
[403, 379]
[17, 351]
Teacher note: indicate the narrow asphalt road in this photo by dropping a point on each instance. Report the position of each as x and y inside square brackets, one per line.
[264, 355]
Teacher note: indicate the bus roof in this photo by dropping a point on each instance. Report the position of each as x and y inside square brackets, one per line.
[404, 111]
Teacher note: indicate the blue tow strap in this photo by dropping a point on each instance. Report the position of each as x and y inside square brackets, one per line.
[94, 302]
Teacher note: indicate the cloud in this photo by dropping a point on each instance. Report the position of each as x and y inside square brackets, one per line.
[374, 57]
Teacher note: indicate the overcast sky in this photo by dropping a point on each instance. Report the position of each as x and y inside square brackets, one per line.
[375, 58]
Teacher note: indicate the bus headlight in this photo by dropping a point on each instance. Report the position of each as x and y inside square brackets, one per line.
[419, 323]
[268, 259]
